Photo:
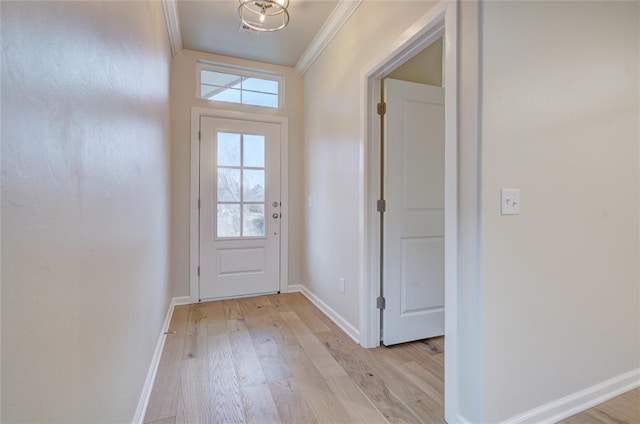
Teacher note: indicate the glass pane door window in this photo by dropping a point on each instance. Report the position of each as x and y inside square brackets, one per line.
[240, 185]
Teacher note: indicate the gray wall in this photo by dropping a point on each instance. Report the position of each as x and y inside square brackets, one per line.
[85, 193]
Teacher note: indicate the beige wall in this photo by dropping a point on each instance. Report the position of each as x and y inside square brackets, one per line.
[183, 98]
[424, 68]
[332, 125]
[560, 283]
[85, 192]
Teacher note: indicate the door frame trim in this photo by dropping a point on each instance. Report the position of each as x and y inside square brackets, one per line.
[194, 224]
[441, 20]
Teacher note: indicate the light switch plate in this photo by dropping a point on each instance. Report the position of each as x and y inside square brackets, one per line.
[510, 201]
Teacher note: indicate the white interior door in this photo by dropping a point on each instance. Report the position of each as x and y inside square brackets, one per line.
[239, 208]
[413, 229]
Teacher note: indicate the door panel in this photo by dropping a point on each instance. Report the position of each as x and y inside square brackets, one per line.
[422, 260]
[423, 177]
[413, 229]
[239, 208]
[241, 261]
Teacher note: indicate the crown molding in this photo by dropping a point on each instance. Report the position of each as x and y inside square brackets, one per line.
[336, 20]
[170, 8]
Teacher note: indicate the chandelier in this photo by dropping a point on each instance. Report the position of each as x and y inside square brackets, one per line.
[264, 15]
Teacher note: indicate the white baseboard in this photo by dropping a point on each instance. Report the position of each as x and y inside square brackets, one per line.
[295, 288]
[143, 402]
[338, 320]
[567, 406]
[182, 300]
[461, 420]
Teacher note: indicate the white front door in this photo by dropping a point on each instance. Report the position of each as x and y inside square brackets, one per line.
[413, 224]
[239, 208]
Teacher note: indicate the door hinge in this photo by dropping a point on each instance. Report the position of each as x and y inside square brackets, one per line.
[381, 303]
[382, 108]
[199, 135]
[198, 203]
[198, 271]
[382, 205]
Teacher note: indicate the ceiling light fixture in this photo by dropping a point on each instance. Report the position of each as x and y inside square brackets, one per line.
[264, 15]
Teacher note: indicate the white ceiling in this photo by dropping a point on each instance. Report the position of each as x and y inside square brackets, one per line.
[212, 26]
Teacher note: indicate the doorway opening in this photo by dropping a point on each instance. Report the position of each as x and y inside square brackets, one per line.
[412, 188]
[439, 23]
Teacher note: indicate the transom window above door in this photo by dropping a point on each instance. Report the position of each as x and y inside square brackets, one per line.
[240, 185]
[239, 85]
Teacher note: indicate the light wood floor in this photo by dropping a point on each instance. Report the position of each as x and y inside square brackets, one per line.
[623, 409]
[278, 359]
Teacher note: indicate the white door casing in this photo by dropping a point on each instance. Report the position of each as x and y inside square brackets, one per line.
[240, 208]
[413, 247]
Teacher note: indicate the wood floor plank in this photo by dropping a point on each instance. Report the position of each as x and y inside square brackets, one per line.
[434, 345]
[623, 409]
[168, 420]
[323, 402]
[281, 332]
[291, 405]
[421, 348]
[583, 418]
[232, 309]
[306, 370]
[401, 386]
[194, 401]
[439, 361]
[215, 321]
[224, 387]
[313, 321]
[164, 395]
[262, 301]
[429, 384]
[259, 405]
[617, 408]
[178, 320]
[354, 401]
[196, 337]
[357, 366]
[260, 327]
[434, 363]
[245, 358]
[320, 357]
[428, 410]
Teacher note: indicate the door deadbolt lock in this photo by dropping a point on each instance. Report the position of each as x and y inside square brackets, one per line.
[275, 204]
